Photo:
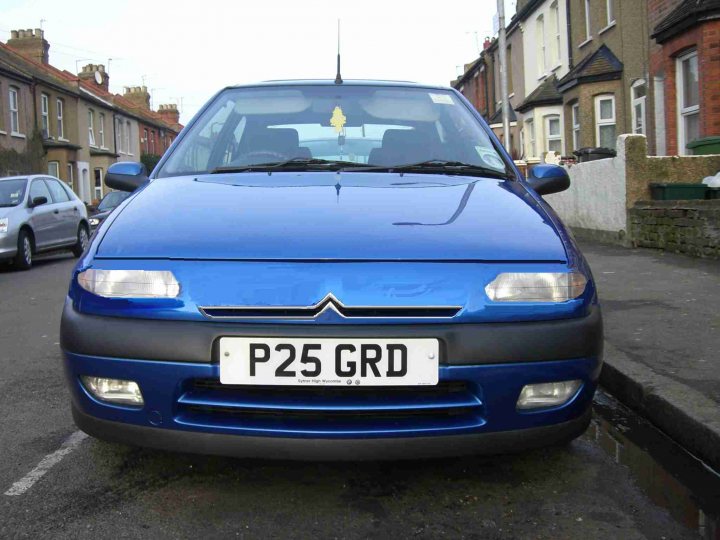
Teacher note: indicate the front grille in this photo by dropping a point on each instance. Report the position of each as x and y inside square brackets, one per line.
[331, 411]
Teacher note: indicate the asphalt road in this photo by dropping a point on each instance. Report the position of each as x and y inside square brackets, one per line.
[106, 490]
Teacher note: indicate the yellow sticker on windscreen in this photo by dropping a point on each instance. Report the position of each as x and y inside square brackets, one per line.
[338, 119]
[445, 99]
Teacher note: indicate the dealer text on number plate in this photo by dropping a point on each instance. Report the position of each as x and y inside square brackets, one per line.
[329, 362]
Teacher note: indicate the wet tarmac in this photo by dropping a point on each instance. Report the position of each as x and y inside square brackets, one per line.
[670, 476]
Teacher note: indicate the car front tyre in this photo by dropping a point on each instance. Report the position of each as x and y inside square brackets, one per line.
[24, 257]
[83, 238]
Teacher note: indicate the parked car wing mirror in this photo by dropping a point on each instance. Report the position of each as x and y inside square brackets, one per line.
[547, 179]
[38, 201]
[126, 175]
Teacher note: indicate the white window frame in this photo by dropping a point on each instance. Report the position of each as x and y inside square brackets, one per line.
[684, 112]
[540, 40]
[101, 129]
[70, 176]
[152, 141]
[549, 137]
[59, 104]
[588, 33]
[91, 128]
[531, 139]
[634, 102]
[14, 102]
[54, 168]
[128, 133]
[45, 113]
[606, 121]
[146, 141]
[555, 16]
[98, 190]
[610, 12]
[575, 114]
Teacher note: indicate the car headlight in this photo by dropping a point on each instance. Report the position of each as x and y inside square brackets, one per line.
[4, 224]
[94, 221]
[130, 283]
[536, 287]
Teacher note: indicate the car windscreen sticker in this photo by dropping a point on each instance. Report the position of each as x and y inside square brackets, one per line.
[445, 99]
[490, 158]
[338, 119]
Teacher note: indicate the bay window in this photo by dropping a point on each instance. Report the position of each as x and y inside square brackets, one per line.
[688, 100]
[605, 123]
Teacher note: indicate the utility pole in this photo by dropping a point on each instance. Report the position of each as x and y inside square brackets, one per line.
[504, 74]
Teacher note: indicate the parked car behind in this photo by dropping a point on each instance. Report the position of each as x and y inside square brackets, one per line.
[274, 291]
[39, 213]
[110, 201]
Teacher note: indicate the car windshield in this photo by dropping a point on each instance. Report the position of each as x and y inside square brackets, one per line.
[340, 126]
[111, 200]
[12, 192]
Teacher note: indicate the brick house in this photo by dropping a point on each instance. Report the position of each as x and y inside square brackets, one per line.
[685, 65]
[605, 93]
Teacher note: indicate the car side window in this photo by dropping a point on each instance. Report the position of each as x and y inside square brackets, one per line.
[58, 193]
[39, 189]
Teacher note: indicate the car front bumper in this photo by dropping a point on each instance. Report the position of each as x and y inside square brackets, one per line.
[8, 245]
[483, 368]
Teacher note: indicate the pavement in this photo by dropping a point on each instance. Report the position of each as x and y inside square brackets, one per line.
[662, 340]
[67, 486]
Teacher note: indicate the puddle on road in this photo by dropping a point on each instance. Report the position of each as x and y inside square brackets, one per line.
[670, 476]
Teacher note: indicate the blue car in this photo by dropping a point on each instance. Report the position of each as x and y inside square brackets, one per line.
[325, 270]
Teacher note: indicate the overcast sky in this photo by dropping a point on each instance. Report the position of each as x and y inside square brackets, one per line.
[186, 51]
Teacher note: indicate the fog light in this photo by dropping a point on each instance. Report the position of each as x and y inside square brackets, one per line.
[114, 390]
[536, 396]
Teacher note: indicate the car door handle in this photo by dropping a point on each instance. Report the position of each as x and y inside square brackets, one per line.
[75, 209]
[56, 211]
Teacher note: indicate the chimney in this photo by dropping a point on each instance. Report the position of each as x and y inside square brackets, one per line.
[30, 43]
[95, 75]
[169, 113]
[486, 44]
[138, 95]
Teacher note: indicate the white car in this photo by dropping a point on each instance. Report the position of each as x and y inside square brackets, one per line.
[40, 213]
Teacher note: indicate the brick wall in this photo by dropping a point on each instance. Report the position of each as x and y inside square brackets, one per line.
[690, 227]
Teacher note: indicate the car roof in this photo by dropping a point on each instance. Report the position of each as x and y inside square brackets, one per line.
[346, 82]
[24, 177]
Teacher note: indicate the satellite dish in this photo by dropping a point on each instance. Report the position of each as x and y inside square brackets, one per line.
[98, 77]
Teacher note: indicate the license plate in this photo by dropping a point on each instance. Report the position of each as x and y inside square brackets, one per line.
[329, 362]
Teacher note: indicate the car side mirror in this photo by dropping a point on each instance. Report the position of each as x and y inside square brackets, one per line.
[126, 175]
[547, 179]
[38, 201]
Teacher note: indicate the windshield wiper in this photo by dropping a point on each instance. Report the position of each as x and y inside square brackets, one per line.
[293, 164]
[440, 166]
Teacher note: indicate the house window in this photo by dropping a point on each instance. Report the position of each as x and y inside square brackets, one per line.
[54, 169]
[70, 176]
[541, 58]
[2, 116]
[576, 126]
[610, 12]
[688, 100]
[146, 140]
[14, 111]
[98, 187]
[128, 148]
[639, 96]
[91, 128]
[530, 129]
[45, 115]
[509, 70]
[605, 129]
[555, 21]
[101, 130]
[119, 135]
[553, 136]
[152, 142]
[60, 125]
[588, 35]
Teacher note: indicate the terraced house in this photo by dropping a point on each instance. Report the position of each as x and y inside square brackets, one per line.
[71, 126]
[595, 69]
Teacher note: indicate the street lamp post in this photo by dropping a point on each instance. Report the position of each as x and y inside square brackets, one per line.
[503, 74]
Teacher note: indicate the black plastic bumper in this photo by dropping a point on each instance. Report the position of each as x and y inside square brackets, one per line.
[461, 344]
[501, 442]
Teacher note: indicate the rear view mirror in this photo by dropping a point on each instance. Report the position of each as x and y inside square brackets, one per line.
[38, 201]
[547, 179]
[126, 175]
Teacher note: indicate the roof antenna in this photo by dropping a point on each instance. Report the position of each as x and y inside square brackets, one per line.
[338, 78]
